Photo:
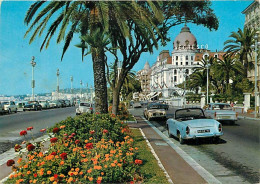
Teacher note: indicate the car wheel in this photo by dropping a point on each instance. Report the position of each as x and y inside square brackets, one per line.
[9, 111]
[15, 111]
[148, 118]
[169, 134]
[36, 109]
[181, 140]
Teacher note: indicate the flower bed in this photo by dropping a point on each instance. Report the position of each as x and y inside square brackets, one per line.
[85, 149]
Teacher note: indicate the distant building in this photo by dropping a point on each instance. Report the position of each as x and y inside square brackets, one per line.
[144, 76]
[169, 70]
[252, 13]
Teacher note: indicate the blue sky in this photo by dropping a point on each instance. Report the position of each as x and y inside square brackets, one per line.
[16, 53]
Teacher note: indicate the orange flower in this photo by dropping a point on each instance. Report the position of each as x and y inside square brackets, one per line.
[62, 162]
[99, 178]
[19, 160]
[48, 172]
[63, 126]
[105, 166]
[90, 178]
[34, 181]
[52, 178]
[102, 173]
[86, 141]
[77, 169]
[119, 165]
[113, 165]
[115, 161]
[89, 171]
[40, 154]
[80, 173]
[70, 180]
[28, 172]
[25, 166]
[62, 175]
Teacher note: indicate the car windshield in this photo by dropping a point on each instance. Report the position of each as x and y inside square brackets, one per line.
[189, 114]
[85, 104]
[155, 106]
[31, 102]
[221, 107]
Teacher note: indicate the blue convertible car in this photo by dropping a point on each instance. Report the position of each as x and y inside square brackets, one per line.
[191, 123]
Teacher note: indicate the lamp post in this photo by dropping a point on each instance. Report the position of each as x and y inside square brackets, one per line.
[71, 81]
[91, 98]
[87, 92]
[80, 89]
[256, 49]
[33, 63]
[58, 88]
[207, 67]
[184, 75]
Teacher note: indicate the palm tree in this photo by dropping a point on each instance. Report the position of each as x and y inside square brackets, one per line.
[88, 18]
[240, 45]
[197, 79]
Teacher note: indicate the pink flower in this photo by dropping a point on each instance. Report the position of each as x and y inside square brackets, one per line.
[105, 131]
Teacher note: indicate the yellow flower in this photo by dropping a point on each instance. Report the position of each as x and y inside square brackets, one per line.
[86, 141]
[62, 175]
[48, 172]
[34, 181]
[54, 182]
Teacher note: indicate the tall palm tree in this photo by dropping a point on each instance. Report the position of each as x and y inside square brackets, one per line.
[240, 45]
[198, 79]
[85, 18]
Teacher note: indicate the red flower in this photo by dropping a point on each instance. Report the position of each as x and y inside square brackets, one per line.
[54, 153]
[98, 181]
[43, 130]
[138, 162]
[97, 113]
[77, 141]
[23, 132]
[132, 182]
[55, 130]
[71, 174]
[17, 148]
[92, 132]
[105, 131]
[70, 136]
[54, 139]
[63, 156]
[65, 135]
[89, 146]
[30, 147]
[30, 128]
[35, 175]
[55, 176]
[113, 115]
[10, 163]
[73, 134]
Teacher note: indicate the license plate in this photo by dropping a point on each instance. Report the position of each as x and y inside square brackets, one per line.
[226, 117]
[204, 131]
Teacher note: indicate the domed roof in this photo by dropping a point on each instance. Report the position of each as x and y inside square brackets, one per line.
[185, 40]
[147, 66]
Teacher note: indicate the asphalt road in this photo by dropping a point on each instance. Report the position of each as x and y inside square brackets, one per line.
[11, 125]
[234, 160]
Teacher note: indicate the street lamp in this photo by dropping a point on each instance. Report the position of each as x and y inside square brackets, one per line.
[33, 63]
[87, 92]
[207, 67]
[80, 88]
[71, 81]
[256, 49]
[58, 88]
[185, 75]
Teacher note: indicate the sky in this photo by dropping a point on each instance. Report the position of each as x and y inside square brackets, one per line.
[16, 52]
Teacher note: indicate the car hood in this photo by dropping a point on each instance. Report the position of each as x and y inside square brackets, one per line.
[198, 123]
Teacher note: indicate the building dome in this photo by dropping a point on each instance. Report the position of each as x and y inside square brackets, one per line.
[185, 40]
[147, 66]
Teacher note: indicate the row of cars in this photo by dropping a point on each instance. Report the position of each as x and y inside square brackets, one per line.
[194, 123]
[11, 106]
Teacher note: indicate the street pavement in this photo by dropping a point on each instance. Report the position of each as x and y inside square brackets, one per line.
[234, 160]
[12, 124]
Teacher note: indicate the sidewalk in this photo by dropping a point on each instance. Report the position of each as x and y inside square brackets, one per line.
[178, 169]
[247, 116]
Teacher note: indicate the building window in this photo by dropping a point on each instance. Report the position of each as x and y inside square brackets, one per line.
[187, 63]
[176, 58]
[176, 63]
[175, 78]
[187, 71]
[216, 56]
[175, 72]
[191, 63]
[181, 63]
[191, 57]
[198, 63]
[187, 57]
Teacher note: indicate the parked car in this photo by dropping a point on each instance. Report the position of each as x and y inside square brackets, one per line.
[84, 107]
[221, 112]
[9, 107]
[2, 110]
[154, 110]
[137, 105]
[191, 123]
[63, 103]
[20, 105]
[67, 102]
[32, 105]
[55, 104]
[45, 104]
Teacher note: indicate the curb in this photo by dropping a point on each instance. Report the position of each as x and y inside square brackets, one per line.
[244, 117]
[156, 157]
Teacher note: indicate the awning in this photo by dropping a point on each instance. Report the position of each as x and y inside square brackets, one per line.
[151, 94]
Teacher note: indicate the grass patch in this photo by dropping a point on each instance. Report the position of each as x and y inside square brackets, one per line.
[150, 169]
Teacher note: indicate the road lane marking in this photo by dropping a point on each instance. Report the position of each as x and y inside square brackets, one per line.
[198, 168]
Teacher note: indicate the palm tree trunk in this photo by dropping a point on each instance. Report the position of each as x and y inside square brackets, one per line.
[100, 83]
[116, 94]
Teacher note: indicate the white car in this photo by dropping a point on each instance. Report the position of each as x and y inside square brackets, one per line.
[155, 110]
[191, 123]
[2, 110]
[221, 112]
[84, 107]
[20, 105]
[10, 107]
[45, 104]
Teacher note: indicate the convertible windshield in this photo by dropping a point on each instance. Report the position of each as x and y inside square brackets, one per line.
[85, 104]
[221, 107]
[189, 113]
